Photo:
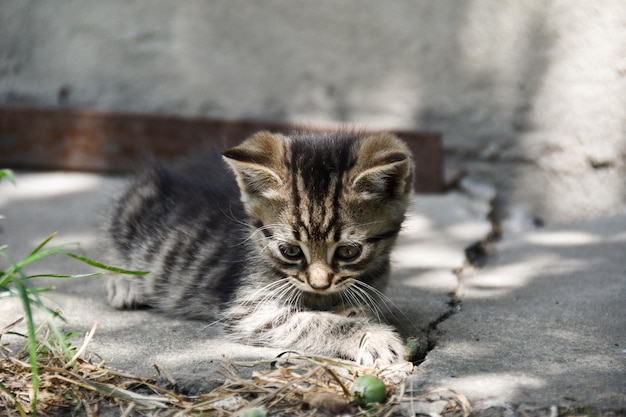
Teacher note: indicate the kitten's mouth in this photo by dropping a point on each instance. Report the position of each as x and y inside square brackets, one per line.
[320, 291]
[325, 291]
[321, 300]
[333, 289]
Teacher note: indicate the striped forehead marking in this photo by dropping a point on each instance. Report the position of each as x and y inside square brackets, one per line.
[318, 169]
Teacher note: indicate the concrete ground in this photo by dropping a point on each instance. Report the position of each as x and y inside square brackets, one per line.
[540, 329]
[542, 324]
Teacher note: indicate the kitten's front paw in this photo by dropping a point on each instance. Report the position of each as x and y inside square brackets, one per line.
[125, 292]
[381, 346]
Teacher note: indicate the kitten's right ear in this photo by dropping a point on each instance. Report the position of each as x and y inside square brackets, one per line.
[257, 164]
[384, 169]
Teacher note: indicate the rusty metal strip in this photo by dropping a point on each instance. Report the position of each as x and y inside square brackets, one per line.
[87, 140]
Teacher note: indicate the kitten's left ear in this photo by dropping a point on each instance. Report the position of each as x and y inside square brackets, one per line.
[257, 164]
[384, 168]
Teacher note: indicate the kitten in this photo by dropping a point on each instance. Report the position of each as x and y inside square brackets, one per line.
[292, 253]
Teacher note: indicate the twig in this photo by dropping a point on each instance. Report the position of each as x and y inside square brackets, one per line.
[345, 389]
[80, 351]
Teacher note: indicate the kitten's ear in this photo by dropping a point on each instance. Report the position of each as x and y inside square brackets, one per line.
[384, 168]
[257, 164]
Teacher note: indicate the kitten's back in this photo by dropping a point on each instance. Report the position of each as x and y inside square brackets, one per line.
[187, 227]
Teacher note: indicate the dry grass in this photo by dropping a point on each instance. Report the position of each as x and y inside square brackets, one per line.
[290, 385]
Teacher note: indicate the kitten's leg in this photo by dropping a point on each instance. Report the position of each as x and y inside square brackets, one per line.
[126, 292]
[319, 333]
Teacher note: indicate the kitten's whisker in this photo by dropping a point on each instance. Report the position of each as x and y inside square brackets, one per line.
[384, 300]
[231, 216]
[372, 299]
[275, 294]
[283, 294]
[276, 226]
[278, 292]
[378, 299]
[213, 323]
[342, 297]
[297, 300]
[367, 300]
[292, 300]
[250, 298]
[391, 307]
[354, 300]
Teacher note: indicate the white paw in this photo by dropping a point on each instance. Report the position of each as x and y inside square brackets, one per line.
[381, 346]
[126, 292]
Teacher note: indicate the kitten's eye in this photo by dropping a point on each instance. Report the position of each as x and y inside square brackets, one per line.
[291, 252]
[348, 253]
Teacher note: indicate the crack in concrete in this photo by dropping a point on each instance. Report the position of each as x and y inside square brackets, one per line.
[477, 255]
[431, 339]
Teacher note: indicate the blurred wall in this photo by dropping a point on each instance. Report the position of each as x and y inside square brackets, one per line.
[530, 95]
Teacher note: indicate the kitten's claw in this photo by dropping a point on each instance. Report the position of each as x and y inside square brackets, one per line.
[125, 292]
[382, 347]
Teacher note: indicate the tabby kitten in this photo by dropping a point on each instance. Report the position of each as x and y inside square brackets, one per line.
[292, 253]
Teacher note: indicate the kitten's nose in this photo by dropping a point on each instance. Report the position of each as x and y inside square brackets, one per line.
[319, 276]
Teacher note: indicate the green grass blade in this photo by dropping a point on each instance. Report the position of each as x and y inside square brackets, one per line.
[8, 174]
[32, 340]
[39, 290]
[5, 277]
[40, 254]
[60, 338]
[11, 332]
[18, 405]
[61, 249]
[37, 301]
[92, 274]
[35, 255]
[42, 244]
[100, 265]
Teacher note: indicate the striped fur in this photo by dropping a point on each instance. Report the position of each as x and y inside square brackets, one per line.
[294, 254]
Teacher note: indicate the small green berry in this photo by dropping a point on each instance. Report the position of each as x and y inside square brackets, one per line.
[369, 389]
